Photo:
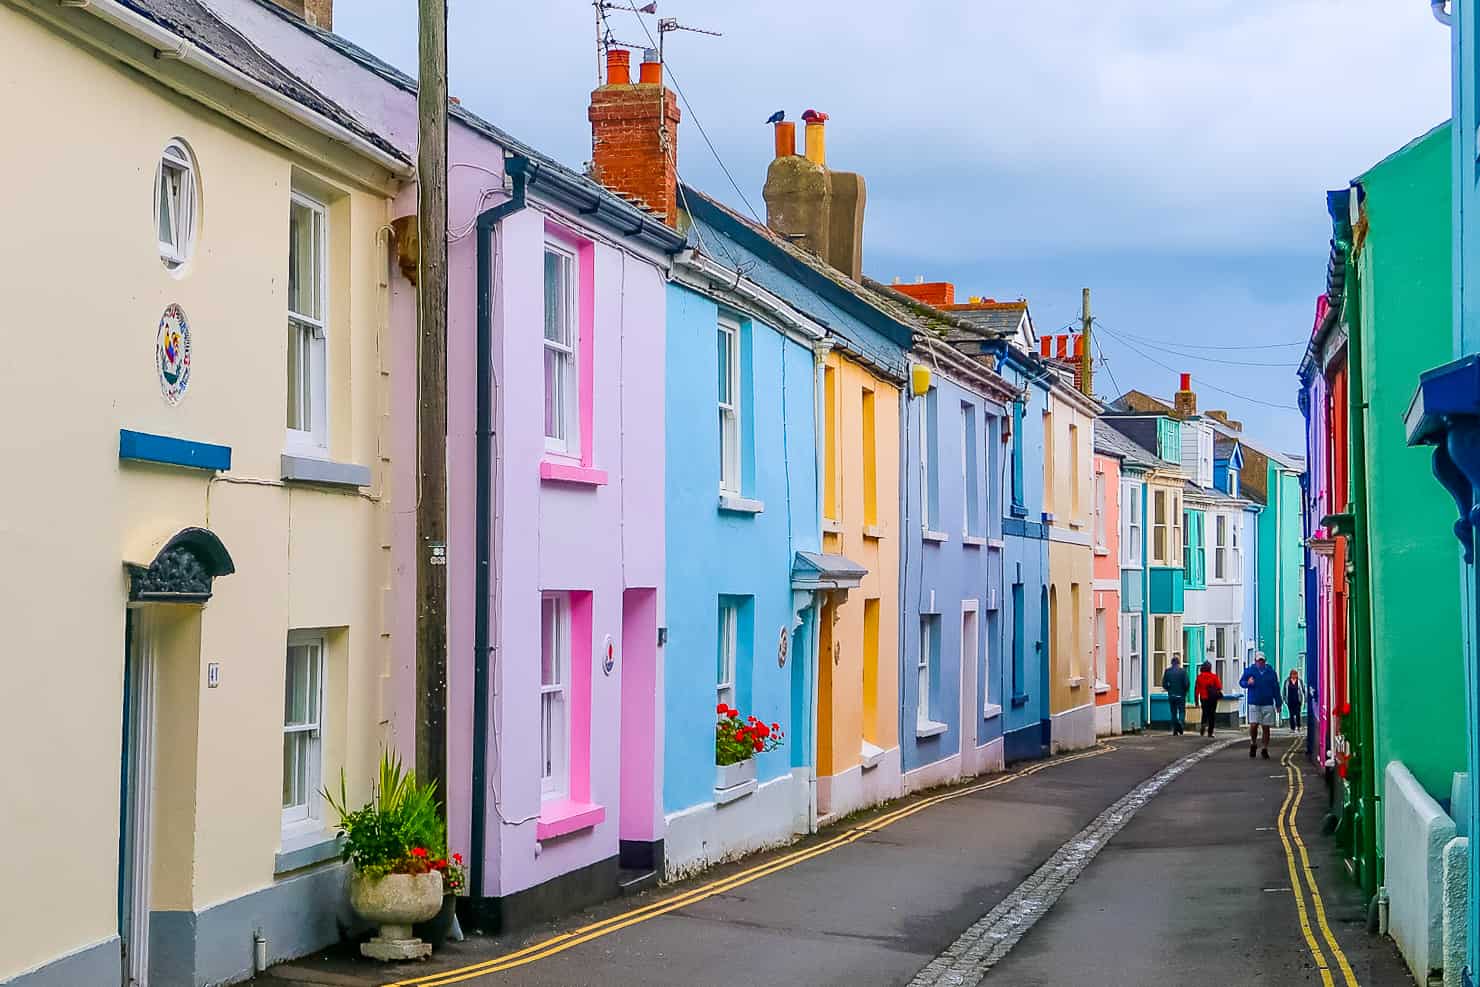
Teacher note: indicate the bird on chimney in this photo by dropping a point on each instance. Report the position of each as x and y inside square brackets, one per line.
[776, 117]
[814, 116]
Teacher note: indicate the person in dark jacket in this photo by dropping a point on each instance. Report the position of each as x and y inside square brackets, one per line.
[1294, 697]
[1208, 689]
[1174, 681]
[1262, 687]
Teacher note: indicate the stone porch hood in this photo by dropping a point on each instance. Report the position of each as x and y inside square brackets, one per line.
[1445, 413]
[823, 571]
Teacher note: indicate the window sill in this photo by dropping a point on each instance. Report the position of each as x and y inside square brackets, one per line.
[1101, 551]
[934, 536]
[561, 817]
[873, 531]
[1075, 681]
[831, 527]
[724, 796]
[734, 504]
[974, 541]
[1101, 688]
[996, 543]
[869, 755]
[1020, 701]
[551, 472]
[323, 472]
[305, 850]
[1076, 525]
[930, 728]
[991, 711]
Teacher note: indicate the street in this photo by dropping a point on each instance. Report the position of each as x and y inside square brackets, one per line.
[1196, 886]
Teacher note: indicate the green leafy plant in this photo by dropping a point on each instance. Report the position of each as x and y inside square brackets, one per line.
[399, 831]
[736, 740]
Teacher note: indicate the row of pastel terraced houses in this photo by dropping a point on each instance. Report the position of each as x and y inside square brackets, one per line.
[696, 460]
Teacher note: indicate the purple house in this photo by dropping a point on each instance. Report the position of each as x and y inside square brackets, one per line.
[555, 496]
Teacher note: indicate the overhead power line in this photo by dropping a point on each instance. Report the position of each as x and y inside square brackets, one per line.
[1201, 380]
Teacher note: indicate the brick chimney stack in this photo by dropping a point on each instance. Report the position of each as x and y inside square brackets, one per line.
[634, 134]
[319, 13]
[1184, 402]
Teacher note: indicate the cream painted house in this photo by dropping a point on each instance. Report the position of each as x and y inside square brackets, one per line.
[195, 514]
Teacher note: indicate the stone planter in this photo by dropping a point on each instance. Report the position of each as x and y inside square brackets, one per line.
[395, 903]
[730, 775]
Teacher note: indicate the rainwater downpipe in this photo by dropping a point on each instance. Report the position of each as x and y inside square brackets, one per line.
[488, 221]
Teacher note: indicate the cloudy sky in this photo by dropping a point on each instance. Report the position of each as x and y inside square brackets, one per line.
[1171, 156]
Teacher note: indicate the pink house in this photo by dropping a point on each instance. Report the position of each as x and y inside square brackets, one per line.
[555, 448]
[1106, 537]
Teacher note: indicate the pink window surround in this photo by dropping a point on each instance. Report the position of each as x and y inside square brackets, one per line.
[559, 817]
[554, 467]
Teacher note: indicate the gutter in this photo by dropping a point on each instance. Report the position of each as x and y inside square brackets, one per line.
[169, 45]
[736, 283]
[574, 194]
[487, 223]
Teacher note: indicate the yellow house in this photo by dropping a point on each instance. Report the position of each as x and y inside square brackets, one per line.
[1068, 504]
[858, 759]
[195, 515]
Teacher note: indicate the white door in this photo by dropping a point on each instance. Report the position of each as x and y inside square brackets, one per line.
[138, 798]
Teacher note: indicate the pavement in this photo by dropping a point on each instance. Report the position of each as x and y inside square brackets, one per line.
[1193, 884]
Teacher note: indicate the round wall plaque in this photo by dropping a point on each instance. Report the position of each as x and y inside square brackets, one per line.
[172, 354]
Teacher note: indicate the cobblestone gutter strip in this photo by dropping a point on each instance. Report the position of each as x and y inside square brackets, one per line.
[967, 960]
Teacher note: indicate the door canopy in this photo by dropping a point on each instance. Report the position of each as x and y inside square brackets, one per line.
[183, 569]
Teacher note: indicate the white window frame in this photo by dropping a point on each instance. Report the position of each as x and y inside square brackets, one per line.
[727, 647]
[1160, 529]
[968, 485]
[730, 455]
[307, 817]
[177, 199]
[1235, 555]
[922, 675]
[308, 334]
[555, 711]
[1076, 496]
[1130, 513]
[1130, 664]
[925, 452]
[568, 405]
[1102, 667]
[1220, 547]
[1100, 533]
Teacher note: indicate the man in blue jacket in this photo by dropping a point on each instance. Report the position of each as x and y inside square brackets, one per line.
[1262, 686]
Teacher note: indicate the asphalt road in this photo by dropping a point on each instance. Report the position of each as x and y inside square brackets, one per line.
[1194, 889]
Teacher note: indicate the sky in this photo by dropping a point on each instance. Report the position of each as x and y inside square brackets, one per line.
[1173, 157]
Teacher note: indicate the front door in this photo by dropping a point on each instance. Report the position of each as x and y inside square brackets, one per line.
[137, 795]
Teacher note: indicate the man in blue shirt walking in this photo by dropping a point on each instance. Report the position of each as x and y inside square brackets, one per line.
[1262, 686]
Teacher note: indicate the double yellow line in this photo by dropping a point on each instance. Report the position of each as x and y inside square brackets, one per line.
[1289, 831]
[596, 930]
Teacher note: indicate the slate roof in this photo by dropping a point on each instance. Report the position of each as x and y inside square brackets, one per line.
[1223, 446]
[997, 318]
[197, 24]
[614, 208]
[1110, 440]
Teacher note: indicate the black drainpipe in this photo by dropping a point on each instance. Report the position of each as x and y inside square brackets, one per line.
[516, 166]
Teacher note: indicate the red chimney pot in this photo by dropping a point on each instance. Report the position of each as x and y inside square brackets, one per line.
[618, 67]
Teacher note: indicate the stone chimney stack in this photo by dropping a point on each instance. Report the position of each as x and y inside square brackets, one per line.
[634, 134]
[1184, 402]
[818, 209]
[319, 13]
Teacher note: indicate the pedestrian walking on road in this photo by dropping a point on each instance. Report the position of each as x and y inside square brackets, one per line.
[1294, 697]
[1174, 681]
[1208, 689]
[1262, 687]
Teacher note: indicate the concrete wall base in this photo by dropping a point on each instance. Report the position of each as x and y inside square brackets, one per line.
[1132, 716]
[854, 789]
[1415, 833]
[986, 759]
[1107, 720]
[1073, 729]
[100, 963]
[704, 835]
[560, 895]
[1023, 744]
[1456, 909]
[942, 772]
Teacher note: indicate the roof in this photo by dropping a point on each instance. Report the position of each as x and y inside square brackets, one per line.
[1109, 439]
[197, 24]
[870, 326]
[617, 211]
[998, 318]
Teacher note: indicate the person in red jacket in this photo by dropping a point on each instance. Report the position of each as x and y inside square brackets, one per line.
[1208, 689]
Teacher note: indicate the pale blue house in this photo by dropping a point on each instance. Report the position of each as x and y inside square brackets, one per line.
[952, 681]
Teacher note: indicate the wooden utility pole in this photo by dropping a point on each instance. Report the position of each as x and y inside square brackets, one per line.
[431, 410]
[1086, 361]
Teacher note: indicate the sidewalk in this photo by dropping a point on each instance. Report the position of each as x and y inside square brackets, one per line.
[850, 905]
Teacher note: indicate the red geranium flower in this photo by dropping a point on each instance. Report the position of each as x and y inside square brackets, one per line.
[722, 709]
[775, 726]
[734, 714]
[457, 857]
[760, 745]
[418, 852]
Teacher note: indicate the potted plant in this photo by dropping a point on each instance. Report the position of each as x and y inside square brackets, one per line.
[393, 841]
[737, 742]
[443, 926]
